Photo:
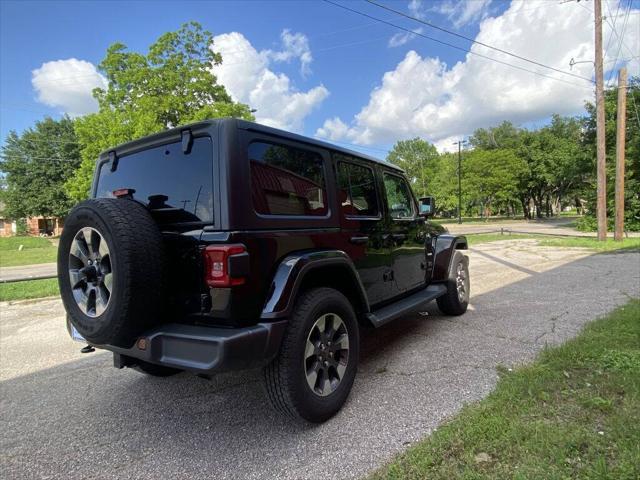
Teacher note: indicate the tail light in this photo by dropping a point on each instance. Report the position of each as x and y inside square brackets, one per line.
[225, 265]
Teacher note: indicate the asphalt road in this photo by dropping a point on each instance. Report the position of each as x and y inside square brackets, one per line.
[68, 415]
[23, 272]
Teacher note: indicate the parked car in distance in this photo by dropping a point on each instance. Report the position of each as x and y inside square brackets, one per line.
[227, 245]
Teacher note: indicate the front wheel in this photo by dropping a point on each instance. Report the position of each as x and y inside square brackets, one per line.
[456, 300]
[313, 374]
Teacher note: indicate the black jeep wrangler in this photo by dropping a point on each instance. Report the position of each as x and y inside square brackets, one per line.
[228, 245]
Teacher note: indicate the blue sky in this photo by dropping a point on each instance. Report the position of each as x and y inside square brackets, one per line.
[344, 77]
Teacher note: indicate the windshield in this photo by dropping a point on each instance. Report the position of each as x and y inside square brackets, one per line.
[176, 187]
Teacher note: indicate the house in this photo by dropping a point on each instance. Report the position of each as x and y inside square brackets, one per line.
[35, 225]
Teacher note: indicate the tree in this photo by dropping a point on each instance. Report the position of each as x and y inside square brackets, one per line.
[444, 183]
[37, 164]
[492, 177]
[418, 159]
[169, 86]
[632, 154]
[505, 135]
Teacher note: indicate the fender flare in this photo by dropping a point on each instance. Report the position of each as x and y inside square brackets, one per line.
[446, 245]
[291, 273]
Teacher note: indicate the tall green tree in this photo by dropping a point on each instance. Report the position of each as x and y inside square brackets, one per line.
[632, 154]
[418, 158]
[172, 84]
[492, 177]
[505, 135]
[36, 165]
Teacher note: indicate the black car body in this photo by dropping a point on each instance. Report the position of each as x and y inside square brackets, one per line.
[251, 217]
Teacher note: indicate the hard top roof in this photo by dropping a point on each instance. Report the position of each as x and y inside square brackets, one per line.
[124, 148]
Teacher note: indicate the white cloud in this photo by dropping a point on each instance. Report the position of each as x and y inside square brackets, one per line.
[247, 77]
[401, 38]
[464, 13]
[295, 45]
[67, 84]
[333, 129]
[425, 97]
[415, 8]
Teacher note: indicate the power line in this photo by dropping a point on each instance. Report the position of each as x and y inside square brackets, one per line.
[621, 41]
[19, 107]
[29, 157]
[454, 46]
[450, 32]
[613, 26]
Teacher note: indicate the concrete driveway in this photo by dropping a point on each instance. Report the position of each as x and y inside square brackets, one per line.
[68, 415]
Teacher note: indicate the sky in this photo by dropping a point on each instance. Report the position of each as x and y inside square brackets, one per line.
[318, 69]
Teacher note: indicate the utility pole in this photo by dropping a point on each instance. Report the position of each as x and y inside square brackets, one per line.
[459, 143]
[601, 204]
[620, 144]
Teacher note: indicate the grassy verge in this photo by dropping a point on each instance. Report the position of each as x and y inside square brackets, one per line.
[574, 413]
[478, 220]
[35, 250]
[569, 242]
[476, 238]
[608, 246]
[29, 289]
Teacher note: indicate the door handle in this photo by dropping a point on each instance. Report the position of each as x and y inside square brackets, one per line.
[359, 240]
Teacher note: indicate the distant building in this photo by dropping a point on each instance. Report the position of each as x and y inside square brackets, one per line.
[36, 226]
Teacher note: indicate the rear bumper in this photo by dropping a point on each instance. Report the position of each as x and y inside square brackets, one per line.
[203, 350]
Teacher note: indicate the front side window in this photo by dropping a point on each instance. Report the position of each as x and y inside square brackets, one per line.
[356, 190]
[399, 199]
[286, 180]
[176, 186]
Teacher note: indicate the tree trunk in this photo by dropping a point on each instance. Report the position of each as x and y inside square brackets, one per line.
[547, 205]
[525, 208]
[537, 203]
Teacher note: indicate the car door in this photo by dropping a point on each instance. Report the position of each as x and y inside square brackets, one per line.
[363, 227]
[407, 234]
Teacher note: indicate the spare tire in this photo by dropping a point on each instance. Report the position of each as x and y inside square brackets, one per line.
[110, 270]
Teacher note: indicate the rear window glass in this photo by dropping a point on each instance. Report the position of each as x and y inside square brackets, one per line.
[174, 185]
[286, 181]
[356, 189]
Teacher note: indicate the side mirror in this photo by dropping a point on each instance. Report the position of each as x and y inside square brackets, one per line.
[427, 206]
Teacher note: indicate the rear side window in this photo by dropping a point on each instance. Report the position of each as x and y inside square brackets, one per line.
[175, 186]
[356, 189]
[286, 180]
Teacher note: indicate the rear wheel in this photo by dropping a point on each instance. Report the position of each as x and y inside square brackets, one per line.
[313, 374]
[456, 300]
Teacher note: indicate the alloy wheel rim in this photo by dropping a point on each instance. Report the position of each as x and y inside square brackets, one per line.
[90, 272]
[326, 354]
[461, 282]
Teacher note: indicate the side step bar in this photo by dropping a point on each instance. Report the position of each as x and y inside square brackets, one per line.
[410, 304]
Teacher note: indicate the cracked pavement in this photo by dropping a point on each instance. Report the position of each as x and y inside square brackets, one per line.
[68, 415]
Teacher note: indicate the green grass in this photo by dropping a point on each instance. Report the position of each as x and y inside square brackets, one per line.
[29, 289]
[35, 250]
[569, 242]
[608, 246]
[476, 238]
[479, 220]
[574, 413]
